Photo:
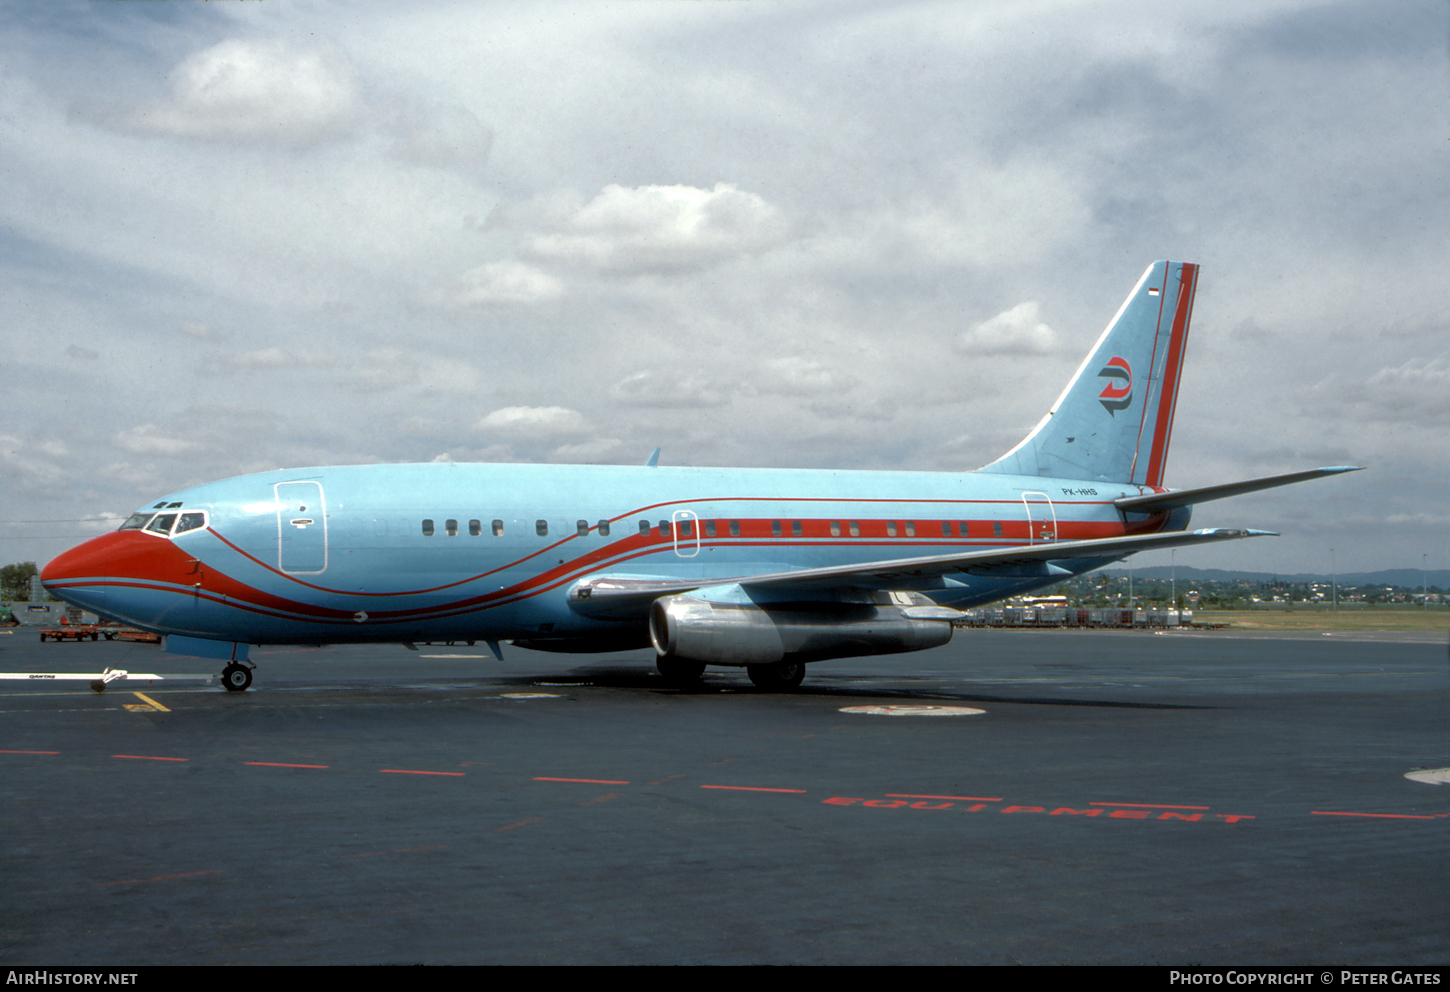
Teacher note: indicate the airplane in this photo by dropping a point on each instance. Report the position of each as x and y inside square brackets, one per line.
[766, 569]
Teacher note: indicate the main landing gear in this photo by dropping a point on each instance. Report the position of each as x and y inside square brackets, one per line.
[679, 674]
[236, 678]
[778, 677]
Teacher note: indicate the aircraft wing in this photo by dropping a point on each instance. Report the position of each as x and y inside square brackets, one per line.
[623, 596]
[1157, 502]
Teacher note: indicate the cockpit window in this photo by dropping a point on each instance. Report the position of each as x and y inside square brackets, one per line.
[162, 523]
[135, 521]
[190, 521]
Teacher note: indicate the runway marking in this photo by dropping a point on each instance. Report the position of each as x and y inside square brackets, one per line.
[162, 878]
[147, 757]
[1382, 816]
[591, 781]
[400, 850]
[749, 788]
[154, 703]
[280, 764]
[412, 771]
[601, 799]
[1139, 811]
[1430, 776]
[913, 710]
[29, 752]
[479, 656]
[529, 695]
[521, 823]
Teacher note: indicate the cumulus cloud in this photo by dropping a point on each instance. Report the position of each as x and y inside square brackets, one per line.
[148, 439]
[590, 451]
[667, 388]
[256, 90]
[1017, 331]
[534, 422]
[795, 375]
[273, 358]
[506, 282]
[662, 228]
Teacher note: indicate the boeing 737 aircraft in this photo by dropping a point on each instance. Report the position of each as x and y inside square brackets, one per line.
[762, 568]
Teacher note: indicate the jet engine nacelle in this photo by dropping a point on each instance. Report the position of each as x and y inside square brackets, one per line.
[693, 629]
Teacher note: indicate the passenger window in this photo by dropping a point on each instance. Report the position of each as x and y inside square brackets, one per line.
[498, 528]
[664, 528]
[946, 528]
[835, 528]
[162, 523]
[475, 528]
[996, 528]
[775, 528]
[962, 528]
[735, 528]
[604, 528]
[541, 527]
[581, 527]
[795, 528]
[911, 528]
[191, 521]
[687, 528]
[855, 528]
[891, 528]
[427, 528]
[451, 526]
[644, 528]
[709, 528]
[135, 521]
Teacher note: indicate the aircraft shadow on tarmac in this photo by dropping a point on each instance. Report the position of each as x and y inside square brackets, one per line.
[846, 687]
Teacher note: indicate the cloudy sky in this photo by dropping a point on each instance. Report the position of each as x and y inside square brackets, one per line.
[242, 236]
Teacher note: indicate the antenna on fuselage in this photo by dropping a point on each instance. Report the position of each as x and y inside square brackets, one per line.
[654, 459]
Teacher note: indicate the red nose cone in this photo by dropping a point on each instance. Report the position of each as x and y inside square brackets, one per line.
[89, 560]
[126, 554]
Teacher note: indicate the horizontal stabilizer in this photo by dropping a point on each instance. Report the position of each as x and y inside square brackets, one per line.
[624, 597]
[1155, 502]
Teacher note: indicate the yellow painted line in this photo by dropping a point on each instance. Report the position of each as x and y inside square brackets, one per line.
[142, 695]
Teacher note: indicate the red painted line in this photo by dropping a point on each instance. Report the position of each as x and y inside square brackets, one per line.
[521, 823]
[280, 764]
[971, 799]
[591, 781]
[162, 878]
[29, 752]
[147, 757]
[1148, 805]
[410, 771]
[1381, 816]
[749, 788]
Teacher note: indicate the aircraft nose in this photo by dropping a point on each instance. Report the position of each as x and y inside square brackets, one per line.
[87, 560]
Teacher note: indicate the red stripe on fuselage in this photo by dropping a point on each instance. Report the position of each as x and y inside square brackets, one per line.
[133, 559]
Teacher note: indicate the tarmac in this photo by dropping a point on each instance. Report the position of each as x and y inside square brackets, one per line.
[1133, 797]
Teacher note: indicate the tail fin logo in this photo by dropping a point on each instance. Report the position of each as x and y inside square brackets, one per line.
[1118, 393]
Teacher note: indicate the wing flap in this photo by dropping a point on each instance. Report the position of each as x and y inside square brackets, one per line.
[628, 597]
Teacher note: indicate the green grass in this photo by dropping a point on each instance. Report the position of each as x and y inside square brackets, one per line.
[1412, 618]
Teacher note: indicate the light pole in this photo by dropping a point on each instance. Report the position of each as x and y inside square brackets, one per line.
[1334, 578]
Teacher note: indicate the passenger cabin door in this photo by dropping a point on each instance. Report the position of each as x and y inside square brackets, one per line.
[1041, 518]
[686, 526]
[301, 528]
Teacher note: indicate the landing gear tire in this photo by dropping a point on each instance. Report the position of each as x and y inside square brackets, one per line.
[679, 673]
[779, 677]
[236, 678]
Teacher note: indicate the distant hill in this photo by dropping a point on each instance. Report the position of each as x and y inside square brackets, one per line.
[1408, 578]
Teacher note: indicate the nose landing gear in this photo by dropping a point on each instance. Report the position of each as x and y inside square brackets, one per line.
[236, 678]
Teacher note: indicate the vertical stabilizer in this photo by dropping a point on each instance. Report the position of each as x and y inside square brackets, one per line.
[1113, 421]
